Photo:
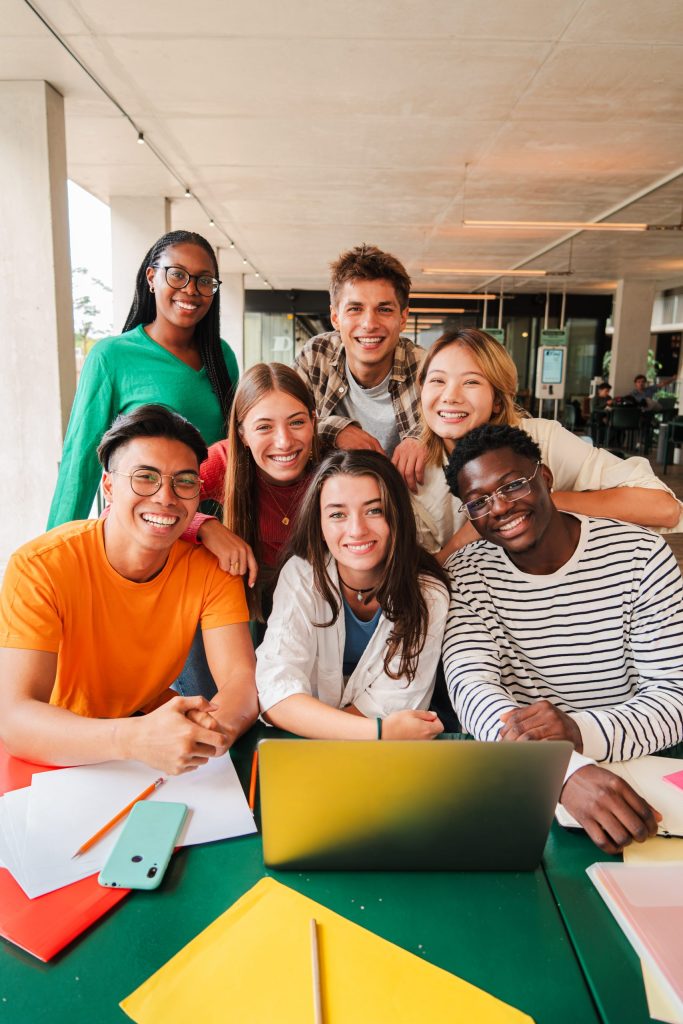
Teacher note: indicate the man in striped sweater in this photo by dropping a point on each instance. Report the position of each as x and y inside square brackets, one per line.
[562, 626]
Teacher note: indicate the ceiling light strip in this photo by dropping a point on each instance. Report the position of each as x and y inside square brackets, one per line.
[483, 272]
[551, 225]
[479, 296]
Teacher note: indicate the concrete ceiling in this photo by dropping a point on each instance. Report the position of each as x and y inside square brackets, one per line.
[310, 126]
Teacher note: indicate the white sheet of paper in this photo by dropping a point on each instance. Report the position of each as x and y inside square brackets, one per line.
[69, 805]
[14, 811]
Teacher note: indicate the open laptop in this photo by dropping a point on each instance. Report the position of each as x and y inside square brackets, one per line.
[408, 805]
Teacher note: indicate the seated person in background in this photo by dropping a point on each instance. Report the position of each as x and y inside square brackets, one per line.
[642, 391]
[354, 638]
[562, 626]
[364, 374]
[468, 379]
[97, 618]
[602, 399]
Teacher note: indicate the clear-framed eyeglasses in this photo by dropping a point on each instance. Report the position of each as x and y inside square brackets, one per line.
[176, 277]
[146, 482]
[509, 492]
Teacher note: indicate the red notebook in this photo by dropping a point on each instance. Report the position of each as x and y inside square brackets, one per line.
[48, 923]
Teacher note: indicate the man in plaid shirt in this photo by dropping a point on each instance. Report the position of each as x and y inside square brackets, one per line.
[364, 374]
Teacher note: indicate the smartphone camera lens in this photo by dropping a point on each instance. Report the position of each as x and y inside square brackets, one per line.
[152, 872]
[136, 859]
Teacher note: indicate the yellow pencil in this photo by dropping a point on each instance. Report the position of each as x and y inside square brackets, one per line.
[117, 817]
[315, 970]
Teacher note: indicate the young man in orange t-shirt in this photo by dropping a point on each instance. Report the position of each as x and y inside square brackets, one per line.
[97, 618]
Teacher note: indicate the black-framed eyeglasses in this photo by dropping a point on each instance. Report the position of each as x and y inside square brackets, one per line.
[176, 277]
[146, 482]
[509, 492]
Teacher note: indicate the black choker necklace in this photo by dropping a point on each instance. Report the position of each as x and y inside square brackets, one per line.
[358, 591]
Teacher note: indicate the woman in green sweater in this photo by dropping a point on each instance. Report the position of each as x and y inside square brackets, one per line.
[170, 352]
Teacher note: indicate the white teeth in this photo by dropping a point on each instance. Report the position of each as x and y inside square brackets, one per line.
[448, 414]
[285, 458]
[186, 305]
[159, 520]
[360, 548]
[513, 522]
[370, 342]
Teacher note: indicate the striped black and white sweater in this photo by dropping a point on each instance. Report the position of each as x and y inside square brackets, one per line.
[601, 638]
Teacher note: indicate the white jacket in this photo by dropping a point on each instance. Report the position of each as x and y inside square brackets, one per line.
[298, 656]
[575, 465]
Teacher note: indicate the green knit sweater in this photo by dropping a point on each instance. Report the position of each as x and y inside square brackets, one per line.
[120, 374]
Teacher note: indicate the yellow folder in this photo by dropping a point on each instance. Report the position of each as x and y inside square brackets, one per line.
[253, 965]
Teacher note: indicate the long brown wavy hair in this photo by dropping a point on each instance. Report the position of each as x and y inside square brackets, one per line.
[399, 593]
[497, 366]
[240, 511]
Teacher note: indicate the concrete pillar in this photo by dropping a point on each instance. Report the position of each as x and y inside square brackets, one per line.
[136, 223]
[632, 319]
[232, 310]
[37, 356]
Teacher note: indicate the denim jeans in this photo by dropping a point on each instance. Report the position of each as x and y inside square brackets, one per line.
[196, 680]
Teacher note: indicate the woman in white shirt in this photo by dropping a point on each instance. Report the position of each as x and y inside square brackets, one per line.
[467, 380]
[354, 638]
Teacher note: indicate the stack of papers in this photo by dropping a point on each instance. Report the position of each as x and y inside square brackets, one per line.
[220, 975]
[647, 903]
[46, 925]
[42, 825]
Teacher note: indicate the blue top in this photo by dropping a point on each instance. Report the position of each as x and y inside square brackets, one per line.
[358, 636]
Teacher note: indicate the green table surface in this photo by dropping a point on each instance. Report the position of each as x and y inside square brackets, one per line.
[607, 959]
[501, 931]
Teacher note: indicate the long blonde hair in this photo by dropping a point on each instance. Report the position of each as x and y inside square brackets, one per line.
[499, 370]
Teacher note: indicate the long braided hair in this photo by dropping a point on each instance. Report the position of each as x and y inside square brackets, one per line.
[207, 332]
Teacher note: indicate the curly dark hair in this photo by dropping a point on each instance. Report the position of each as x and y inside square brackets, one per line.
[484, 439]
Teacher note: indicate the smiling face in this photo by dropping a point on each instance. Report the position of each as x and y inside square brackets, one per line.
[147, 524]
[518, 526]
[278, 430]
[181, 307]
[369, 319]
[354, 526]
[456, 395]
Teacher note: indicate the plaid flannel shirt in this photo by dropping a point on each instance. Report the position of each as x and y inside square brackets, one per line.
[322, 364]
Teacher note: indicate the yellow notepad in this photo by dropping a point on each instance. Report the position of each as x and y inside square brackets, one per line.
[253, 965]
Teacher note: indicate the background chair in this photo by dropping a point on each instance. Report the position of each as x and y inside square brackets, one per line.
[626, 420]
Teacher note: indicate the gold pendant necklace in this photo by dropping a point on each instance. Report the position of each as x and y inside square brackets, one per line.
[281, 511]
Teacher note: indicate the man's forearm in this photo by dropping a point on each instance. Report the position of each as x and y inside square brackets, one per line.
[47, 734]
[650, 721]
[236, 706]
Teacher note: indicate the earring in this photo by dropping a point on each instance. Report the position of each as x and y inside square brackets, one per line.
[151, 287]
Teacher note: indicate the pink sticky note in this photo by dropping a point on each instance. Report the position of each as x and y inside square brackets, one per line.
[676, 778]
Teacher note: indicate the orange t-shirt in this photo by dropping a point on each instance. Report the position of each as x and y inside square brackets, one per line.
[119, 644]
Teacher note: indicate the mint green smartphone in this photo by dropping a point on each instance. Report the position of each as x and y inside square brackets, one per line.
[143, 850]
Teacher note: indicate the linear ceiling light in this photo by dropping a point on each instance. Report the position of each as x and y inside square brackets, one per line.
[452, 295]
[479, 272]
[419, 310]
[570, 225]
